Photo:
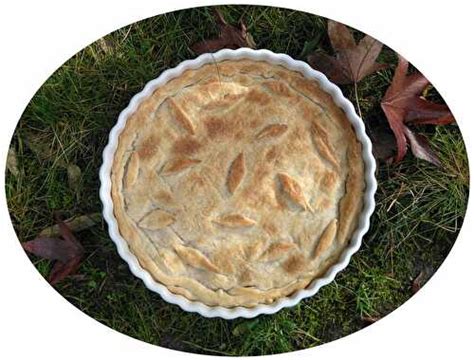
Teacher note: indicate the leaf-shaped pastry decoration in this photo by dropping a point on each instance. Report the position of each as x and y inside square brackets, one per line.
[329, 180]
[326, 239]
[319, 131]
[273, 130]
[181, 117]
[171, 260]
[235, 221]
[294, 264]
[254, 250]
[321, 141]
[291, 188]
[277, 250]
[247, 277]
[156, 219]
[194, 258]
[132, 170]
[177, 165]
[236, 173]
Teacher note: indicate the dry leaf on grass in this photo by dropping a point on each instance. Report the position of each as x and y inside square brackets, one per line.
[75, 224]
[402, 103]
[12, 162]
[66, 250]
[229, 37]
[370, 319]
[352, 62]
[384, 145]
[74, 175]
[417, 282]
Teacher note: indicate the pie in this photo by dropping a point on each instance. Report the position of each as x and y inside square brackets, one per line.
[237, 183]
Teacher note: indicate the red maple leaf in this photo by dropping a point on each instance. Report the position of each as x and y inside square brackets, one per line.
[402, 104]
[67, 251]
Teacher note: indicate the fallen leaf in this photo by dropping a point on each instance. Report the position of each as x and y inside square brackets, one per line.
[51, 248]
[402, 103]
[106, 45]
[417, 282]
[41, 147]
[352, 62]
[43, 150]
[61, 270]
[76, 224]
[310, 46]
[12, 162]
[384, 145]
[74, 175]
[229, 37]
[370, 319]
[421, 148]
[66, 250]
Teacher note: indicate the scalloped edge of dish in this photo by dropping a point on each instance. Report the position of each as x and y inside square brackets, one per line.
[313, 288]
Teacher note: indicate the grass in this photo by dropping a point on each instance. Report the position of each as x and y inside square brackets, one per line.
[419, 211]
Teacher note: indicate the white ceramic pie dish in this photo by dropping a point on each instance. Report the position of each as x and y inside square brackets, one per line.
[218, 311]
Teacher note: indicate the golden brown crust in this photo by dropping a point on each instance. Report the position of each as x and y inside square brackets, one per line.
[239, 187]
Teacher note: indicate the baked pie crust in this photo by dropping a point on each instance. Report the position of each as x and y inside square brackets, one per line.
[237, 183]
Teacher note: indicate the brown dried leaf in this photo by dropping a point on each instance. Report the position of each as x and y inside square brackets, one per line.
[229, 37]
[12, 163]
[421, 148]
[67, 251]
[179, 164]
[106, 45]
[157, 219]
[370, 319]
[76, 224]
[352, 62]
[195, 258]
[417, 282]
[402, 103]
[62, 270]
[74, 175]
[291, 188]
[50, 248]
[235, 221]
[273, 130]
[236, 173]
[384, 146]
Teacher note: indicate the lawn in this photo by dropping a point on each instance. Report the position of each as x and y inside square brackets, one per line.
[419, 210]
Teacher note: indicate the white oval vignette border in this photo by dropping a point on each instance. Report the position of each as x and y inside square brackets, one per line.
[236, 312]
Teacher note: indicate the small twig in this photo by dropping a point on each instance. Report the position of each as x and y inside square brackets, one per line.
[357, 99]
